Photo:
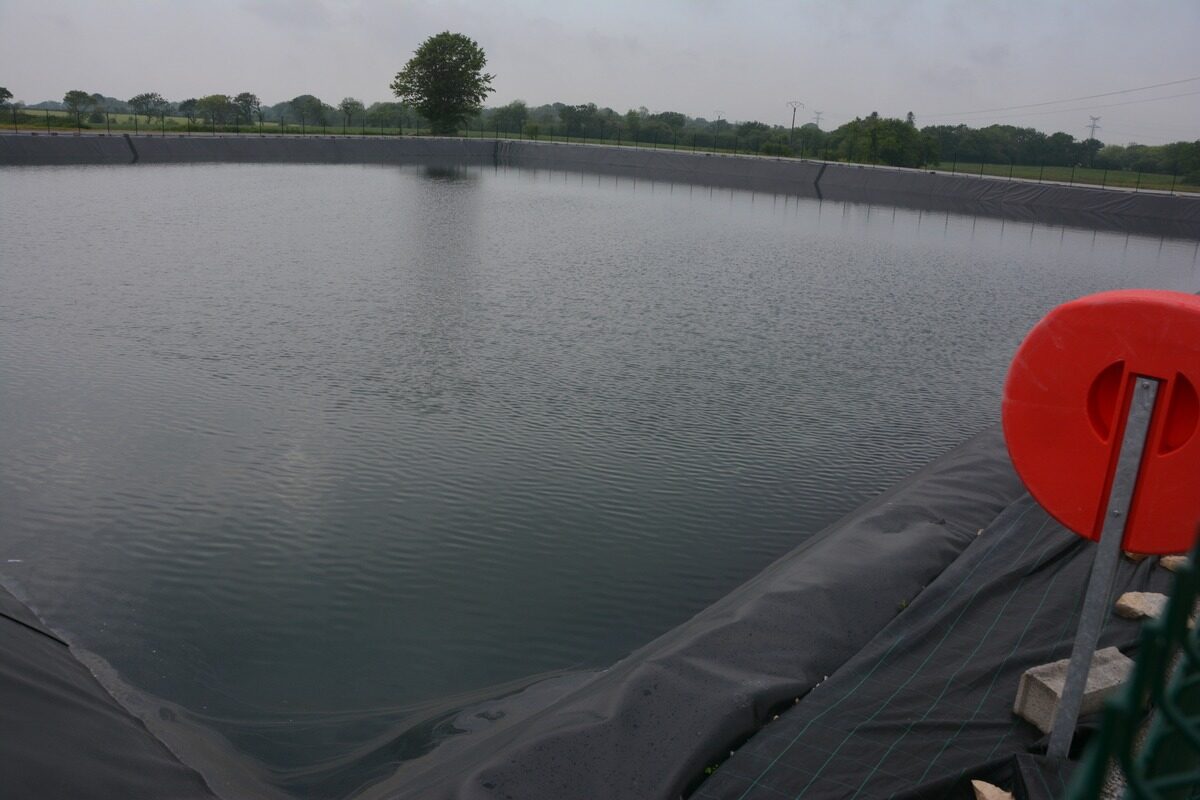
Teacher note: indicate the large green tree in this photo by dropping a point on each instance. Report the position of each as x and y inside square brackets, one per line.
[147, 104]
[189, 108]
[350, 108]
[308, 109]
[77, 102]
[247, 105]
[445, 81]
[216, 108]
[5, 96]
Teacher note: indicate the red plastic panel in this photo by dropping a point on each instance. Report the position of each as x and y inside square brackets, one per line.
[1065, 401]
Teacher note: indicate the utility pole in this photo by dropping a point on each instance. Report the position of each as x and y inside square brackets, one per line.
[817, 117]
[1093, 126]
[793, 104]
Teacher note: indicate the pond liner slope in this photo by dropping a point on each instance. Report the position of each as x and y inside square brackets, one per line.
[1149, 213]
[649, 726]
[926, 706]
[62, 735]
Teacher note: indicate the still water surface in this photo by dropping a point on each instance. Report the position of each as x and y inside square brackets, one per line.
[284, 441]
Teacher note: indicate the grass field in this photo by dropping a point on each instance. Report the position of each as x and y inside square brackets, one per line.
[1078, 175]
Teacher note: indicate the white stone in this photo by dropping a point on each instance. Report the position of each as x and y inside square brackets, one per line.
[1140, 605]
[986, 791]
[1172, 563]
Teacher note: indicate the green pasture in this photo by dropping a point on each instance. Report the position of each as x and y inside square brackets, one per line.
[1124, 179]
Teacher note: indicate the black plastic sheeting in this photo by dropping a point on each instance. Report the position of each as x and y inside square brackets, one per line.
[647, 727]
[1145, 213]
[63, 736]
[927, 705]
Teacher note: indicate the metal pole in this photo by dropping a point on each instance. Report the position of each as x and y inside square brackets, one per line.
[163, 118]
[1041, 169]
[1174, 176]
[1138, 185]
[1100, 583]
[107, 122]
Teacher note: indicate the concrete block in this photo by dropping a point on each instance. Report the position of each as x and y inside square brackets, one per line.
[1141, 605]
[1041, 687]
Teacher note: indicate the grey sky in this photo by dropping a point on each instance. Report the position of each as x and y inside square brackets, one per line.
[747, 59]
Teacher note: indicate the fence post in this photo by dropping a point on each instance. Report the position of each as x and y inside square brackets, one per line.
[107, 122]
[1137, 186]
[954, 166]
[47, 120]
[1011, 162]
[1104, 180]
[163, 120]
[1041, 170]
[1071, 182]
[981, 169]
[1174, 176]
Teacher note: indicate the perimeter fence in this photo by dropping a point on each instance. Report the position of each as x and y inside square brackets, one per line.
[728, 142]
[1166, 678]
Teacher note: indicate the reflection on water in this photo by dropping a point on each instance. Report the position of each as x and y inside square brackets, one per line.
[305, 448]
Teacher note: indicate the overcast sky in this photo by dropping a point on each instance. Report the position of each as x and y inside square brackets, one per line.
[937, 58]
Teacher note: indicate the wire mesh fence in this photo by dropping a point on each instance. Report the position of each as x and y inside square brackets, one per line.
[1158, 760]
[724, 141]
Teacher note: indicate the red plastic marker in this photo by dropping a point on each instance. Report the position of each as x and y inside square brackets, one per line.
[1066, 399]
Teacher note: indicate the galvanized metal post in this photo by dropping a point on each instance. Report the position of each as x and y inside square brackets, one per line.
[1096, 603]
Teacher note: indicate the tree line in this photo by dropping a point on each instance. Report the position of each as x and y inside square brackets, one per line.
[868, 139]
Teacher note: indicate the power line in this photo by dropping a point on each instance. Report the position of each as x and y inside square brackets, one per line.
[1104, 105]
[1066, 100]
